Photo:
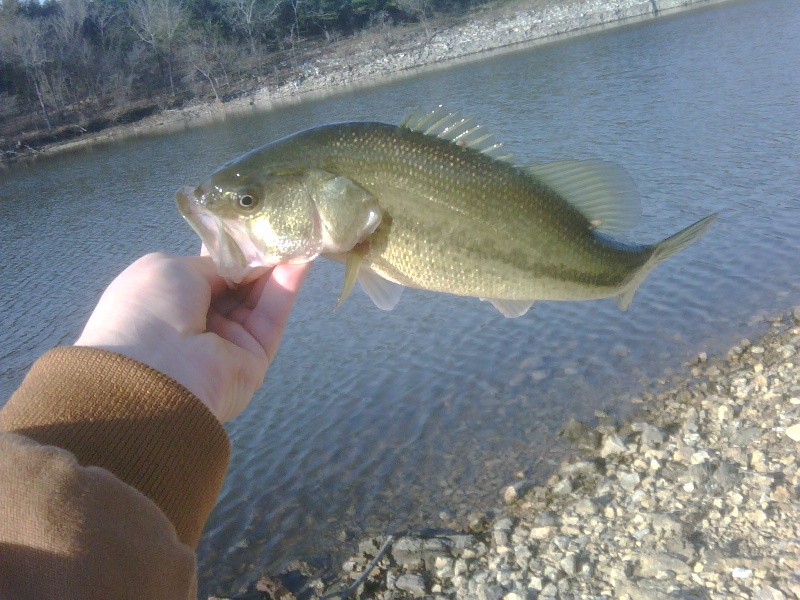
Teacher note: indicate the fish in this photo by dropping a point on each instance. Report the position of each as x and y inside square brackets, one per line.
[434, 203]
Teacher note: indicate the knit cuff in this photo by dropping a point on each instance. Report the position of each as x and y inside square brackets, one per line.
[116, 413]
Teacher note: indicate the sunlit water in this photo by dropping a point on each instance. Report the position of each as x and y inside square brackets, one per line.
[375, 421]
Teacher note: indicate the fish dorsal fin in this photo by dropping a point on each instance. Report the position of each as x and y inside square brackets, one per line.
[602, 191]
[453, 127]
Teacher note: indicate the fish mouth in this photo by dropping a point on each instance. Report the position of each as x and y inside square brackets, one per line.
[237, 258]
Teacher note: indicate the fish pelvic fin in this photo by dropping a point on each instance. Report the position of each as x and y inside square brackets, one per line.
[661, 252]
[352, 265]
[384, 294]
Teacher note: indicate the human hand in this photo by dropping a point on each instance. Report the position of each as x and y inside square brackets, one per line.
[177, 315]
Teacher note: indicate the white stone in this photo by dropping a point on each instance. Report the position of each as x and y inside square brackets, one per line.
[794, 432]
[612, 444]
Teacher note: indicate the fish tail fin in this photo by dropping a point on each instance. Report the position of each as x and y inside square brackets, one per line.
[661, 252]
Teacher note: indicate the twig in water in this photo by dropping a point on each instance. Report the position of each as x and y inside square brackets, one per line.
[350, 590]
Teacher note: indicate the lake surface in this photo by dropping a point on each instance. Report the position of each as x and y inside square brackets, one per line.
[373, 421]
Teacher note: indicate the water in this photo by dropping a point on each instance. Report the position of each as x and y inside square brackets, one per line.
[375, 421]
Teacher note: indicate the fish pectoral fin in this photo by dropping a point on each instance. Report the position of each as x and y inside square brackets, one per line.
[601, 191]
[352, 265]
[347, 212]
[384, 293]
[511, 308]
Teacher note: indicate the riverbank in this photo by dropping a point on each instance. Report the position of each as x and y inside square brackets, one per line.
[378, 55]
[695, 496]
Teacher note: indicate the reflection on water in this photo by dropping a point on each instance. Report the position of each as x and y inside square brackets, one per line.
[373, 420]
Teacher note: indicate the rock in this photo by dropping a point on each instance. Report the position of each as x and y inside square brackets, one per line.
[659, 564]
[612, 445]
[629, 481]
[500, 537]
[666, 525]
[794, 432]
[513, 492]
[477, 521]
[460, 542]
[725, 475]
[542, 533]
[369, 547]
[548, 591]
[489, 592]
[768, 593]
[563, 487]
[445, 567]
[578, 468]
[412, 583]
[745, 437]
[651, 437]
[579, 434]
[569, 564]
[643, 589]
[725, 413]
[460, 567]
[407, 551]
[585, 507]
[275, 588]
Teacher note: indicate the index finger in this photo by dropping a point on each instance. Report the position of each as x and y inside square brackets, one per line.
[274, 296]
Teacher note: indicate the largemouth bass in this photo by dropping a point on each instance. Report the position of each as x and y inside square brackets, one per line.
[433, 203]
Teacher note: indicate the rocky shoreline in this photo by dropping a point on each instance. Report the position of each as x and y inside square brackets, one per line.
[403, 51]
[695, 496]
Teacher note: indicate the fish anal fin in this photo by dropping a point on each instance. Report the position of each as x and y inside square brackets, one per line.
[624, 299]
[601, 191]
[510, 308]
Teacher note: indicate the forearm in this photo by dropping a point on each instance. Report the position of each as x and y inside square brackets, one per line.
[118, 414]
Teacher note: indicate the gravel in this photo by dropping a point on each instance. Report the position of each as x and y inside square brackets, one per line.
[396, 51]
[695, 496]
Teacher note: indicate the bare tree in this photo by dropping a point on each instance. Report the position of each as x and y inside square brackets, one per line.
[75, 55]
[158, 24]
[25, 41]
[105, 16]
[251, 17]
[421, 9]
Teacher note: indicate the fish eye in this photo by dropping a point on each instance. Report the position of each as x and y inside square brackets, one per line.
[247, 202]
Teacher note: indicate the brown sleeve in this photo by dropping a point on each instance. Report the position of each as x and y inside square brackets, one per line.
[78, 533]
[113, 412]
